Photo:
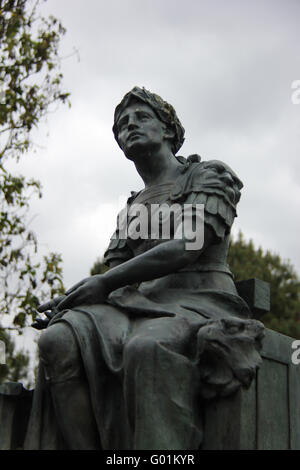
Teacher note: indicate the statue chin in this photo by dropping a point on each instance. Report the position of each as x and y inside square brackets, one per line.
[138, 150]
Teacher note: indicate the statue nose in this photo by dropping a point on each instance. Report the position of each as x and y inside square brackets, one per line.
[132, 123]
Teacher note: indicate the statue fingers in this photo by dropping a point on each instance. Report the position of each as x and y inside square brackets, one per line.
[73, 288]
[40, 324]
[46, 306]
[49, 314]
[68, 302]
[51, 304]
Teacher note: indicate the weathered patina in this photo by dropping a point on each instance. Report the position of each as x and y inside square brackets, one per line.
[129, 357]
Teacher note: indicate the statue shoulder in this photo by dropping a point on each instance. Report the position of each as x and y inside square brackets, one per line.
[209, 177]
[222, 169]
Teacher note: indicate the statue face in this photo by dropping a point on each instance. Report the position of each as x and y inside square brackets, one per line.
[139, 130]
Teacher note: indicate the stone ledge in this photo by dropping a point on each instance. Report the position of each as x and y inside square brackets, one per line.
[267, 415]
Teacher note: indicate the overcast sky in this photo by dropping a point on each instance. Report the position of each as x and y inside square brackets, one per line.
[227, 68]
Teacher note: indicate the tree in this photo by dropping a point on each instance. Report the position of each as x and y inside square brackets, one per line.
[30, 84]
[98, 267]
[247, 262]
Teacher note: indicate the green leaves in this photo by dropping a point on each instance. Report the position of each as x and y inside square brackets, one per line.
[246, 262]
[30, 83]
[98, 267]
[27, 53]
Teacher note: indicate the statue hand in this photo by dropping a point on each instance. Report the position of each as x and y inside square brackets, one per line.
[92, 290]
[40, 324]
[50, 310]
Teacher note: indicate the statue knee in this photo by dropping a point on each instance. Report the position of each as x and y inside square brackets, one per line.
[56, 341]
[59, 352]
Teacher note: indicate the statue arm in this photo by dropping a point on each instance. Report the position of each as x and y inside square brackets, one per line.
[219, 198]
[115, 262]
[160, 261]
[215, 186]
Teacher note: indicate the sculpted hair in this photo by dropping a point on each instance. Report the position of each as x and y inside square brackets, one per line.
[164, 111]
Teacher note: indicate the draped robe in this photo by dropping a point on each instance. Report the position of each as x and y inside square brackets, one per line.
[154, 352]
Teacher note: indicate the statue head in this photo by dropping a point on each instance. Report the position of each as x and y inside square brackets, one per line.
[163, 110]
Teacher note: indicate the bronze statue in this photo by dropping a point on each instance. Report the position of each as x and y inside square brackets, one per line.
[129, 357]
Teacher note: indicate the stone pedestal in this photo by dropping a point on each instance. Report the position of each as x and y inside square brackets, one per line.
[267, 415]
[15, 405]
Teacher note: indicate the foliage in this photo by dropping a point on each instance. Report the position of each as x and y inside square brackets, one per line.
[30, 85]
[248, 262]
[98, 267]
[28, 72]
[15, 368]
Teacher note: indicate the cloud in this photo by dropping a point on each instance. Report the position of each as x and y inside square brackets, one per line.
[226, 67]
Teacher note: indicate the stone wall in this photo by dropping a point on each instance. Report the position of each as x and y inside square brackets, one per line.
[266, 416]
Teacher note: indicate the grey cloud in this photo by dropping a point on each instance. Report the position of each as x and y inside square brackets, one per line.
[227, 68]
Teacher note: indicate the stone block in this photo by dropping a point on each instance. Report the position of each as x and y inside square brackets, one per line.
[256, 294]
[15, 405]
[267, 415]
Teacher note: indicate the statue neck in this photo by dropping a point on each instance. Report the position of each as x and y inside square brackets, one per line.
[156, 168]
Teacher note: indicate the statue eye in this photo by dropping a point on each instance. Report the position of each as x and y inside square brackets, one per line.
[121, 125]
[144, 117]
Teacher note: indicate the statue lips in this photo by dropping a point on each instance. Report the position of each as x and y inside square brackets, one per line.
[133, 135]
